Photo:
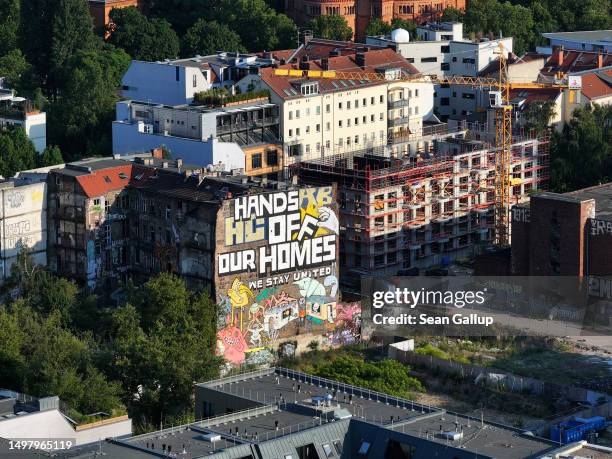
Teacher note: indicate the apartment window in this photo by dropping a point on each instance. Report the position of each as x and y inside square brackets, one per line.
[364, 119]
[339, 123]
[290, 114]
[372, 118]
[107, 205]
[96, 202]
[327, 108]
[327, 144]
[356, 121]
[410, 94]
[307, 129]
[416, 93]
[307, 148]
[327, 126]
[364, 102]
[308, 112]
[348, 105]
[318, 110]
[356, 103]
[382, 99]
[272, 158]
[318, 147]
[371, 100]
[444, 66]
[356, 139]
[318, 128]
[429, 59]
[416, 110]
[297, 131]
[195, 81]
[290, 132]
[340, 105]
[382, 116]
[445, 49]
[340, 142]
[297, 114]
[348, 123]
[256, 161]
[348, 141]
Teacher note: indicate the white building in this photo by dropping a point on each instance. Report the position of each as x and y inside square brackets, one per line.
[42, 419]
[23, 221]
[174, 82]
[586, 40]
[321, 116]
[199, 135]
[17, 111]
[442, 50]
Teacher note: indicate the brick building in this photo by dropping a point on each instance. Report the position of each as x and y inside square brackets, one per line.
[564, 234]
[359, 13]
[100, 10]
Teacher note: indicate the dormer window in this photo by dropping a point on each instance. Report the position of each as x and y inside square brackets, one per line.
[310, 88]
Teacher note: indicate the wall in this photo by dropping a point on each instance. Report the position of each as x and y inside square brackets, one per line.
[23, 224]
[36, 130]
[277, 273]
[130, 138]
[52, 425]
[599, 234]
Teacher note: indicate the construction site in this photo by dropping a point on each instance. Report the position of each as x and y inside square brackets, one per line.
[423, 210]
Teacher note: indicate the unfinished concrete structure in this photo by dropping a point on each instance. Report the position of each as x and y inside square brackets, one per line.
[425, 210]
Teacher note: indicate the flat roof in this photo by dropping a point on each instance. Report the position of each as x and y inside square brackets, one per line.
[602, 194]
[595, 36]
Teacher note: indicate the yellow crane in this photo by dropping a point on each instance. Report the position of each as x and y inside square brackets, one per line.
[499, 99]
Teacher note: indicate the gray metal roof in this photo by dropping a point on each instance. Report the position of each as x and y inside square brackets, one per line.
[594, 36]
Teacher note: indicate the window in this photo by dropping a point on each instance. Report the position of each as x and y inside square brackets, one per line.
[356, 103]
[195, 81]
[364, 119]
[356, 139]
[429, 59]
[327, 108]
[382, 116]
[96, 202]
[290, 132]
[340, 105]
[256, 161]
[348, 123]
[297, 114]
[445, 49]
[372, 118]
[107, 205]
[356, 121]
[444, 66]
[328, 450]
[364, 448]
[307, 148]
[338, 446]
[318, 147]
[339, 123]
[318, 128]
[308, 112]
[297, 131]
[364, 102]
[327, 144]
[382, 99]
[467, 95]
[348, 105]
[416, 93]
[416, 110]
[327, 126]
[290, 115]
[318, 110]
[272, 158]
[307, 129]
[371, 100]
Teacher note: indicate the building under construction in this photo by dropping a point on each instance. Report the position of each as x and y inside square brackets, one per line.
[425, 210]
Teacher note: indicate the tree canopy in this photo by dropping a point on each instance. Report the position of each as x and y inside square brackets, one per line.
[208, 37]
[331, 27]
[147, 39]
[17, 152]
[581, 155]
[9, 24]
[378, 27]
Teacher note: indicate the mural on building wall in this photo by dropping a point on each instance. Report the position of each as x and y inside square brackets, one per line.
[277, 271]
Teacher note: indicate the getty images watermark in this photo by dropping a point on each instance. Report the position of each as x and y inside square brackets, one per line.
[397, 300]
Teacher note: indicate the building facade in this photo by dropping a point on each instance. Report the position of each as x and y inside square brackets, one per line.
[359, 13]
[100, 10]
[18, 112]
[239, 136]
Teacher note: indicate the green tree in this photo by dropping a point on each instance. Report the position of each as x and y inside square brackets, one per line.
[182, 14]
[50, 156]
[9, 24]
[405, 24]
[80, 121]
[378, 27]
[16, 71]
[259, 26]
[50, 32]
[331, 27]
[206, 38]
[142, 38]
[538, 115]
[581, 155]
[17, 152]
[452, 15]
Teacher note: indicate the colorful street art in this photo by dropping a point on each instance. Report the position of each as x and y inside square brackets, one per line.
[277, 273]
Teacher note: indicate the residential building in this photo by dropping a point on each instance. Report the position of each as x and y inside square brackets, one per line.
[599, 41]
[19, 112]
[327, 116]
[441, 49]
[175, 82]
[87, 233]
[100, 10]
[23, 418]
[562, 63]
[237, 136]
[425, 210]
[359, 14]
[596, 89]
[280, 413]
[23, 221]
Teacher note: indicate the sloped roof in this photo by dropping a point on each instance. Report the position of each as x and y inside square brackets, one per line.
[374, 59]
[574, 61]
[493, 66]
[597, 84]
[100, 182]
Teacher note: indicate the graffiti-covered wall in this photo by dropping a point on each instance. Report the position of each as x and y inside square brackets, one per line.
[276, 270]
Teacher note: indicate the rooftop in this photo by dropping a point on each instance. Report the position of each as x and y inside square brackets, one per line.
[598, 84]
[587, 36]
[602, 194]
[572, 61]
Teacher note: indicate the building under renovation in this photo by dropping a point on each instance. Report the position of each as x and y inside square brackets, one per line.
[424, 210]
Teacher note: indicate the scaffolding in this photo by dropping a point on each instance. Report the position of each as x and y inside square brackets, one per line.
[400, 213]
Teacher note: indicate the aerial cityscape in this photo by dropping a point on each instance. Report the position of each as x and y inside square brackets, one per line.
[306, 229]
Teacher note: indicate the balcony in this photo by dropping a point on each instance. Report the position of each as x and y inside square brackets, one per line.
[398, 103]
[399, 121]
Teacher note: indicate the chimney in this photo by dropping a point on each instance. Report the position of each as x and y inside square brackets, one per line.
[304, 64]
[325, 63]
[600, 60]
[360, 59]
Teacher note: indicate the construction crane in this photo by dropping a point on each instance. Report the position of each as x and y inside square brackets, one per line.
[499, 100]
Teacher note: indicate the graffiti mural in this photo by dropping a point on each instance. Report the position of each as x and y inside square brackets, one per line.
[277, 271]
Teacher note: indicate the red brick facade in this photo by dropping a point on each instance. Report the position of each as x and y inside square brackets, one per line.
[100, 9]
[359, 13]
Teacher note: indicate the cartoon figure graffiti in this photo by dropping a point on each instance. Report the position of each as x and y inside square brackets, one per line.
[277, 271]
